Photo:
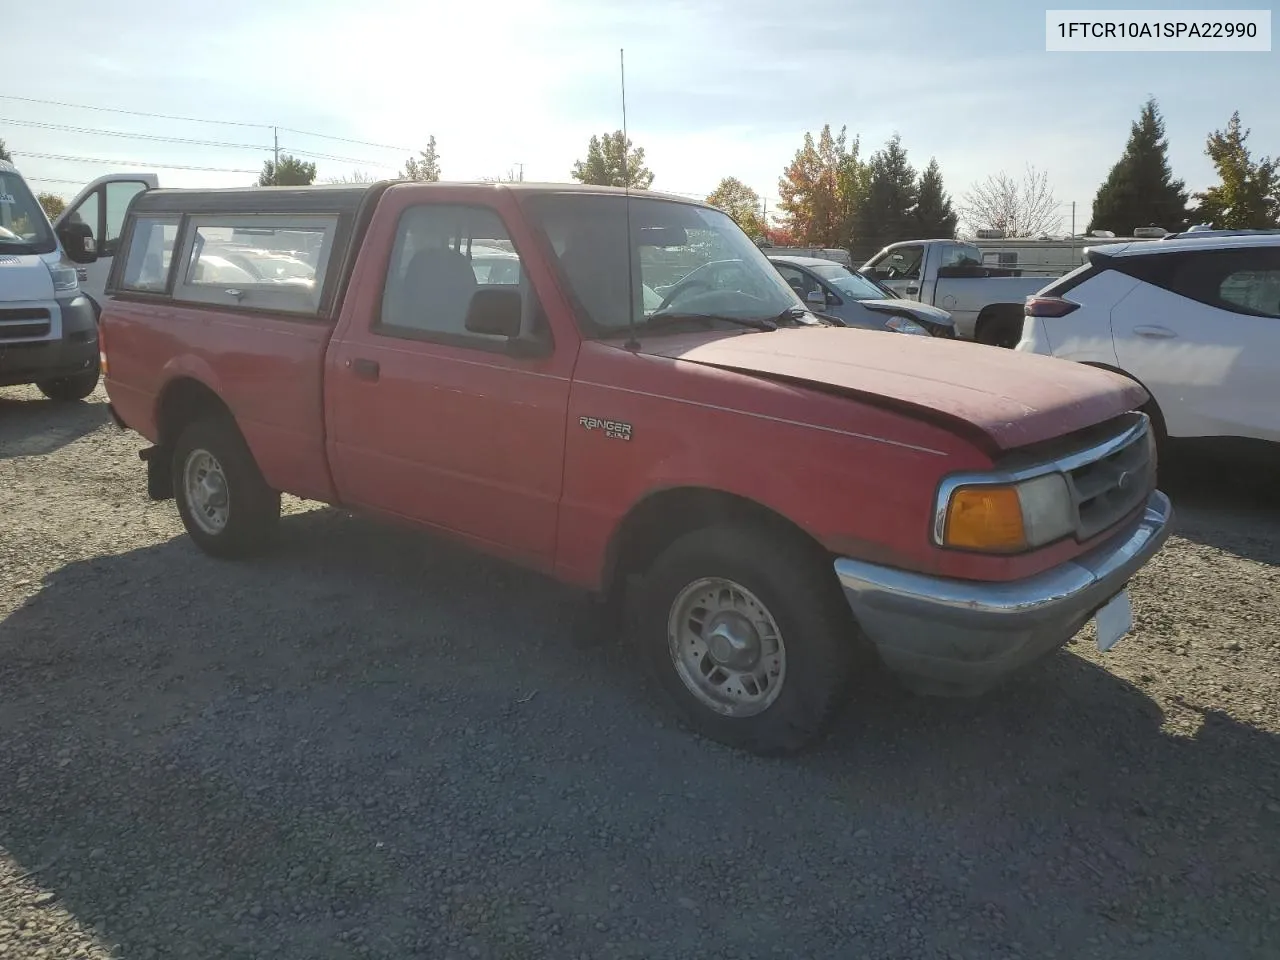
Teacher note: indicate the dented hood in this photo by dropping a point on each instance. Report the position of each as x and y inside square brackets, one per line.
[1011, 398]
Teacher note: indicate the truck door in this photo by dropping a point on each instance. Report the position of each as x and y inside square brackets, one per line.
[102, 206]
[428, 420]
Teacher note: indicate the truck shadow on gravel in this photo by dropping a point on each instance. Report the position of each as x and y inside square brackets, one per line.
[374, 744]
[1230, 502]
[32, 426]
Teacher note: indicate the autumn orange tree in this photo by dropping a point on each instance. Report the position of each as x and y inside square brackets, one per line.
[821, 189]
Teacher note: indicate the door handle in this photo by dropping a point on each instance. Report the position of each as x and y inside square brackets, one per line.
[1154, 333]
[365, 369]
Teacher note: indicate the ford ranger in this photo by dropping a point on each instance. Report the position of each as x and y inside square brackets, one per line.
[777, 502]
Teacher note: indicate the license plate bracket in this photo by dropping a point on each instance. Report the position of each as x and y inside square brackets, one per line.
[1113, 620]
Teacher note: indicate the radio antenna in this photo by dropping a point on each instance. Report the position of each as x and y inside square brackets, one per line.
[632, 343]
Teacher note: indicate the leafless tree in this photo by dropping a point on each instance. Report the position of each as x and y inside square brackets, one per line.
[356, 176]
[1021, 208]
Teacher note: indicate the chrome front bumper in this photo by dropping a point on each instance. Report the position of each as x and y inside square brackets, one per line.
[962, 637]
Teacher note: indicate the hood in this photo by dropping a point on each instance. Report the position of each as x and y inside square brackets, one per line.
[912, 308]
[24, 277]
[1011, 399]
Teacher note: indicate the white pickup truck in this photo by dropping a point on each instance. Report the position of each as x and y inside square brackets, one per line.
[986, 303]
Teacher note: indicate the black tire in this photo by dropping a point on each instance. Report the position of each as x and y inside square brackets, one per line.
[821, 641]
[70, 389]
[1152, 410]
[252, 508]
[1000, 328]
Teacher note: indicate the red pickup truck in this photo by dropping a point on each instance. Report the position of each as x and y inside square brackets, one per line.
[783, 501]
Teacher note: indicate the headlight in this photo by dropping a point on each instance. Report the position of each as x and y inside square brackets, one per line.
[1006, 518]
[64, 277]
[903, 325]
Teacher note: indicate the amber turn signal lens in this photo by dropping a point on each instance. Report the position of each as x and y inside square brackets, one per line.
[985, 518]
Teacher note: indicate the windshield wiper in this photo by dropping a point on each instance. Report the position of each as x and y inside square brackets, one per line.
[656, 320]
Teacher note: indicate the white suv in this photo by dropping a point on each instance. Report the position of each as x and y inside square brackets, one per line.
[1194, 318]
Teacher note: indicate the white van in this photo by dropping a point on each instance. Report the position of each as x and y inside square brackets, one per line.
[48, 327]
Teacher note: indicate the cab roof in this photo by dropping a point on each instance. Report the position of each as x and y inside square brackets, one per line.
[341, 197]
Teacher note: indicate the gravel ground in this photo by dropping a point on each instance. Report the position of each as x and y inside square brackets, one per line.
[373, 745]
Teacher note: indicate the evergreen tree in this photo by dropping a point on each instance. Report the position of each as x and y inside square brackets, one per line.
[935, 217]
[425, 168]
[1140, 190]
[292, 172]
[4, 153]
[603, 165]
[888, 212]
[1248, 196]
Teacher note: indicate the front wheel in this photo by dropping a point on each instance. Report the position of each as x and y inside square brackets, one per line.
[70, 389]
[225, 504]
[748, 635]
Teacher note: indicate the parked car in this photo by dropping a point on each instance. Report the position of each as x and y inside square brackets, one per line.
[834, 254]
[48, 329]
[858, 301]
[985, 302]
[1195, 319]
[780, 499]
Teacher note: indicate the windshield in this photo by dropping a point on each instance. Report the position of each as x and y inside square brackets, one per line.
[851, 285]
[684, 259]
[23, 225]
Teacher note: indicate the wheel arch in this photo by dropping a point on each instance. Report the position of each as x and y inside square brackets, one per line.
[184, 399]
[661, 516]
[1151, 407]
[991, 317]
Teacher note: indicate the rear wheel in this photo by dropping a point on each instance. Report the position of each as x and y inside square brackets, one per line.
[225, 504]
[748, 635]
[70, 389]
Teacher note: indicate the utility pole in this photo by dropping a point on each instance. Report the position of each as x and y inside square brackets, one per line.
[1073, 234]
[521, 166]
[275, 163]
[764, 217]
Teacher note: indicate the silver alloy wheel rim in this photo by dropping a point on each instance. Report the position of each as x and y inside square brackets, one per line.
[726, 647]
[208, 495]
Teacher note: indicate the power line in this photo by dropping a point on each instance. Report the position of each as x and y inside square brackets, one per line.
[136, 113]
[363, 143]
[127, 163]
[159, 138]
[229, 123]
[327, 156]
[98, 131]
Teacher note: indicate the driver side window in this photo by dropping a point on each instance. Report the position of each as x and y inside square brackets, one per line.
[798, 280]
[905, 263]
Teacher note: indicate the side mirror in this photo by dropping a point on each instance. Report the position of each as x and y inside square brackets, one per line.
[77, 242]
[816, 298]
[796, 284]
[495, 312]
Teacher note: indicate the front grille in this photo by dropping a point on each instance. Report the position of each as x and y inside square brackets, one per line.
[1109, 487]
[24, 323]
